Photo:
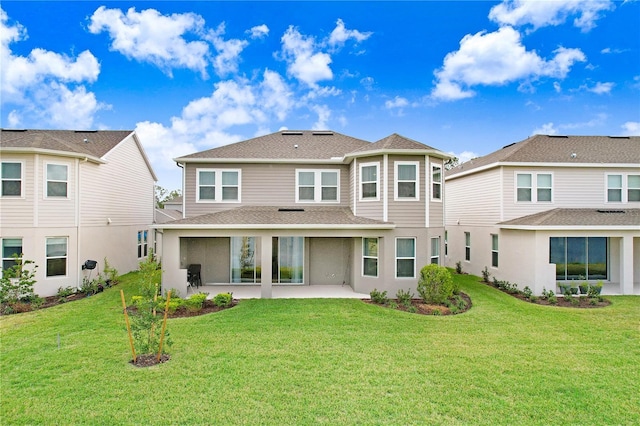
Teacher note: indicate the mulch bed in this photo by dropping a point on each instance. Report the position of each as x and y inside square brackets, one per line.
[427, 309]
[565, 302]
[207, 308]
[148, 360]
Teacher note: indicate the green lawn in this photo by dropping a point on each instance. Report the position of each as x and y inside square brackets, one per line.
[328, 362]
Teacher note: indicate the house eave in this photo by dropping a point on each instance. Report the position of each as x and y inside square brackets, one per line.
[336, 160]
[570, 228]
[540, 165]
[53, 152]
[429, 152]
[273, 226]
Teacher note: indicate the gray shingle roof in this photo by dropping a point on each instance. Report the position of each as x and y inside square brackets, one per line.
[579, 217]
[560, 149]
[394, 142]
[289, 144]
[262, 216]
[97, 144]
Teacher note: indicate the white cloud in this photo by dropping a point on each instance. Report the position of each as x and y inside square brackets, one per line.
[309, 60]
[259, 31]
[148, 36]
[540, 14]
[631, 128]
[601, 88]
[340, 35]
[305, 63]
[464, 156]
[226, 62]
[324, 113]
[46, 86]
[545, 129]
[557, 87]
[496, 59]
[397, 102]
[367, 83]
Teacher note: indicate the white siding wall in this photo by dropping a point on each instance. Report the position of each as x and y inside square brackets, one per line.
[56, 211]
[474, 200]
[19, 211]
[406, 212]
[371, 209]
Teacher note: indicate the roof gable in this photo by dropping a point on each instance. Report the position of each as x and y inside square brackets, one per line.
[560, 149]
[288, 145]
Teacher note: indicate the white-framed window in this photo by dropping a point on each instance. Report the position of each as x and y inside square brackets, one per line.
[633, 188]
[143, 244]
[369, 181]
[406, 257]
[11, 251]
[436, 182]
[494, 250]
[56, 256]
[370, 257]
[467, 246]
[407, 184]
[57, 176]
[435, 250]
[534, 187]
[317, 186]
[218, 185]
[11, 175]
[623, 188]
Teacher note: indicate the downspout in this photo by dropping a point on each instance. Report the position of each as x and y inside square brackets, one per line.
[385, 189]
[183, 193]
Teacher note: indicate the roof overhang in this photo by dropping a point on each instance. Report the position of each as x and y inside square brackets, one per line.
[540, 165]
[57, 153]
[571, 227]
[429, 152]
[276, 226]
[335, 160]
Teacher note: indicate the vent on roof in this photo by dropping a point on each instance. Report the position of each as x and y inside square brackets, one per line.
[14, 130]
[322, 133]
[291, 133]
[610, 211]
[618, 137]
[507, 146]
[290, 209]
[558, 136]
[85, 131]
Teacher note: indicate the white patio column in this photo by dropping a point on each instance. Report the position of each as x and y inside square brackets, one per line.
[172, 275]
[266, 268]
[626, 264]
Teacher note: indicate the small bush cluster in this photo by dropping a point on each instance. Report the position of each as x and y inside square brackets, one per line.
[458, 267]
[486, 275]
[16, 287]
[404, 298]
[507, 286]
[379, 298]
[223, 300]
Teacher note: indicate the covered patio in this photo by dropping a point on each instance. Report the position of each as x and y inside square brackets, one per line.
[282, 291]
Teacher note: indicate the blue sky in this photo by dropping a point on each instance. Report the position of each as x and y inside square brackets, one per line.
[464, 77]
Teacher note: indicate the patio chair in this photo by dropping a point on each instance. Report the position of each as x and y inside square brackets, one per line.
[193, 275]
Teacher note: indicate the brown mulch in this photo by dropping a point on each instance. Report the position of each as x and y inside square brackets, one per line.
[207, 308]
[148, 360]
[565, 302]
[427, 309]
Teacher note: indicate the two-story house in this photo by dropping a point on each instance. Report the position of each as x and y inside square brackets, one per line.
[71, 196]
[308, 208]
[549, 209]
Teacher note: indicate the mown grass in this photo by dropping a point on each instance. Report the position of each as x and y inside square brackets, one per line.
[328, 362]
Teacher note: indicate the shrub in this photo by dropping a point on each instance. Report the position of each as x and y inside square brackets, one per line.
[379, 298]
[88, 286]
[436, 312]
[195, 302]
[553, 299]
[223, 300]
[412, 309]
[458, 267]
[16, 283]
[404, 297]
[111, 273]
[436, 284]
[64, 293]
[527, 293]
[486, 275]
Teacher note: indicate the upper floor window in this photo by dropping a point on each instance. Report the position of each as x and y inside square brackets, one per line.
[57, 178]
[11, 179]
[218, 185]
[56, 255]
[406, 180]
[534, 187]
[11, 252]
[436, 182]
[623, 188]
[317, 186]
[369, 181]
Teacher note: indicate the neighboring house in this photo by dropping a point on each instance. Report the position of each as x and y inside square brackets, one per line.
[308, 208]
[549, 209]
[71, 196]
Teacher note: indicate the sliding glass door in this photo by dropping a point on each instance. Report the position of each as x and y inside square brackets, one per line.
[288, 260]
[243, 260]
